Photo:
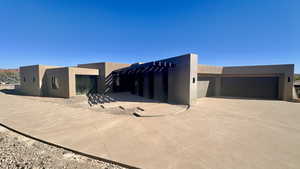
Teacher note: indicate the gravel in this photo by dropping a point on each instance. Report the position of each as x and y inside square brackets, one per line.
[17, 151]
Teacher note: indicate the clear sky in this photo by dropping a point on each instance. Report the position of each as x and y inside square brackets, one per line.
[222, 32]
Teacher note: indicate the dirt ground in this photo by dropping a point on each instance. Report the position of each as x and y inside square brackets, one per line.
[216, 133]
[17, 151]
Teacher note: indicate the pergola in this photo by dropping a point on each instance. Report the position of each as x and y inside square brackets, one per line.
[151, 67]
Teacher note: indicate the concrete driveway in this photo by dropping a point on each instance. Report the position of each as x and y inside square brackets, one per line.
[216, 133]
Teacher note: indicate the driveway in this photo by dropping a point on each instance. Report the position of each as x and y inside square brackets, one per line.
[215, 133]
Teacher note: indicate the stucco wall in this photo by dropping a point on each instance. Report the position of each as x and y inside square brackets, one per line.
[206, 86]
[109, 68]
[296, 92]
[62, 76]
[105, 68]
[34, 79]
[181, 88]
[66, 80]
[29, 83]
[73, 71]
[101, 68]
[208, 69]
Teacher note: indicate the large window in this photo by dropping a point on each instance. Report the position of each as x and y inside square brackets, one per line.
[85, 84]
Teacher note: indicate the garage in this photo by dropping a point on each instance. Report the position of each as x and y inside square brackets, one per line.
[250, 87]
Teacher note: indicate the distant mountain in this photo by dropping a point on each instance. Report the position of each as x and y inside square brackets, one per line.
[9, 76]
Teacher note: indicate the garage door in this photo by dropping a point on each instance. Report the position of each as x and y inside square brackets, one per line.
[206, 86]
[251, 87]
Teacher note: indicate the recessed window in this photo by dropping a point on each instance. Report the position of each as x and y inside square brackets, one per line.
[54, 83]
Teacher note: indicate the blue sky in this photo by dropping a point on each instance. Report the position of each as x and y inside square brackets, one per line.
[222, 32]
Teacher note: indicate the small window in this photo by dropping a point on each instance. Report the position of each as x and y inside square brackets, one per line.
[54, 83]
[33, 79]
[289, 79]
[194, 80]
[24, 79]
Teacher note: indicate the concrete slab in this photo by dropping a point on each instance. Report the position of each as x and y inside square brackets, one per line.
[215, 133]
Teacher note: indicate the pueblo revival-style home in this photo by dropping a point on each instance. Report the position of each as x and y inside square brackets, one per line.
[178, 80]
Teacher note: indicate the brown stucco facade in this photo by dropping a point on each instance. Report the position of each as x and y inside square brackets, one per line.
[37, 80]
[176, 80]
[31, 78]
[105, 69]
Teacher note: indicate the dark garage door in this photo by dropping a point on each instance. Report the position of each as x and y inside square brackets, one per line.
[251, 87]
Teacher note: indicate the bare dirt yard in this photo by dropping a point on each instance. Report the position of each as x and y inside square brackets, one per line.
[17, 151]
[216, 133]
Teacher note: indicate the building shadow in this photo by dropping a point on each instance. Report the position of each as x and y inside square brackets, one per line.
[97, 98]
[242, 98]
[12, 92]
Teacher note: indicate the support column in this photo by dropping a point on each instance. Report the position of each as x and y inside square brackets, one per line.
[158, 87]
[146, 86]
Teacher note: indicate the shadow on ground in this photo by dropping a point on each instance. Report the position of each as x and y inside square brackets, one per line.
[11, 92]
[96, 98]
[242, 98]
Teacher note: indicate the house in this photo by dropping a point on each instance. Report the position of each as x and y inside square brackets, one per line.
[179, 80]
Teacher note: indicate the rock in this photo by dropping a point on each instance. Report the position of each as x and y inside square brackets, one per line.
[15, 152]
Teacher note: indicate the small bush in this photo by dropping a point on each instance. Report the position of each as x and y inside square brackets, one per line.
[9, 77]
[297, 77]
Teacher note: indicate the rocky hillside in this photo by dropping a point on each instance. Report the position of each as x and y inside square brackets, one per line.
[9, 76]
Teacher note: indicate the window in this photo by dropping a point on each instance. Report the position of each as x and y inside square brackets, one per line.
[24, 79]
[33, 79]
[54, 83]
[194, 80]
[289, 79]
